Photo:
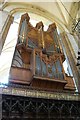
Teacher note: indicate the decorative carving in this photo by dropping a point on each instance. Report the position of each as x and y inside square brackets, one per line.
[36, 108]
[37, 93]
[39, 25]
[52, 27]
[25, 16]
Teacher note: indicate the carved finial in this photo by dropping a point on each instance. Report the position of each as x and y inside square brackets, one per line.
[52, 27]
[40, 25]
[25, 16]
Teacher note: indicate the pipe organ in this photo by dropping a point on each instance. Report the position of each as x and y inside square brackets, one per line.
[38, 59]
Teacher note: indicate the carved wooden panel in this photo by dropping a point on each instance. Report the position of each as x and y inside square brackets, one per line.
[70, 83]
[45, 66]
[20, 75]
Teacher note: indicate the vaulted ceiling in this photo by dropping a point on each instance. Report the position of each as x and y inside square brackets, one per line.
[63, 13]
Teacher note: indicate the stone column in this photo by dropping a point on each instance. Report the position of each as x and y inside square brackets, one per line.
[71, 59]
[5, 23]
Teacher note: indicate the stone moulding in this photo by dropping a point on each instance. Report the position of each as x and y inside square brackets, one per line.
[41, 94]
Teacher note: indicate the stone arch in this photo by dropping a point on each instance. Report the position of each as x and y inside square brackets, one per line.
[36, 10]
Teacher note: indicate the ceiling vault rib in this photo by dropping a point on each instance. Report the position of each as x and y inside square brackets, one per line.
[58, 6]
[73, 12]
[66, 10]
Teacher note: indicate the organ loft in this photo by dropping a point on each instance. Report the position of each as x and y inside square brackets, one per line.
[38, 58]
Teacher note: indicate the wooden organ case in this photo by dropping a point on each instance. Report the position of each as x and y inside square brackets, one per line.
[38, 60]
